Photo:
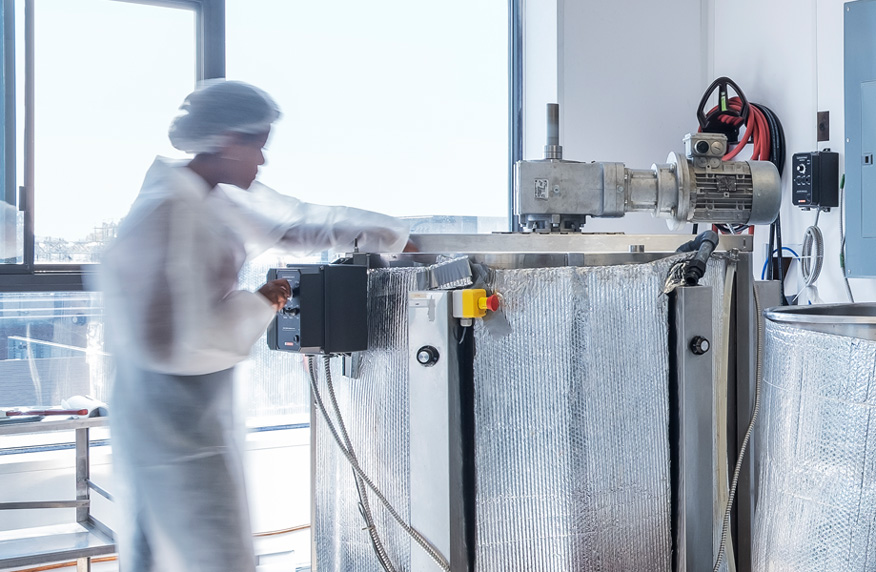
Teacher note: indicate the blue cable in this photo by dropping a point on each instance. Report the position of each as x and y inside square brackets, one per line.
[767, 261]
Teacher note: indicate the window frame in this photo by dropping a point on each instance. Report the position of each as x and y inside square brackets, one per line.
[210, 62]
[29, 276]
[515, 99]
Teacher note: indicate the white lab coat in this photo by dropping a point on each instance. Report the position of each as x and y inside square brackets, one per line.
[170, 278]
[177, 323]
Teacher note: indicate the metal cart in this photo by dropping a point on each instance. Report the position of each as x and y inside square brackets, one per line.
[81, 540]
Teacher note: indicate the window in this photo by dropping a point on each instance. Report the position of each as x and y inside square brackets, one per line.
[108, 78]
[51, 348]
[96, 83]
[395, 106]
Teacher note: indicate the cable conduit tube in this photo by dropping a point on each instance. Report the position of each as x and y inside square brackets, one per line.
[812, 264]
[722, 482]
[812, 257]
[364, 506]
[412, 532]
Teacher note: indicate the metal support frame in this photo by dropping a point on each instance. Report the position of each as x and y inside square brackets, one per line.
[746, 347]
[90, 536]
[691, 428]
[746, 354]
[691, 390]
[747, 319]
[83, 475]
[437, 496]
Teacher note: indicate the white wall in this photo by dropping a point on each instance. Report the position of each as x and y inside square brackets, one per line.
[540, 68]
[790, 58]
[630, 74]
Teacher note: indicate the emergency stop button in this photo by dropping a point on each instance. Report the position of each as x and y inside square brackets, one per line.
[490, 303]
[473, 303]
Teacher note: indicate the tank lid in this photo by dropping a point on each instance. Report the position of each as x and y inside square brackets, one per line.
[853, 320]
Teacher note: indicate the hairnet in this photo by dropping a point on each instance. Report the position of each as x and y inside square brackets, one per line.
[217, 109]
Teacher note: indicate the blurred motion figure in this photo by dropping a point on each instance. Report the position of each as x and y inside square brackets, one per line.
[177, 323]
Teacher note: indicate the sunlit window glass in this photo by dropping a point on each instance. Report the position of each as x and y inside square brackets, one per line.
[394, 106]
[109, 76]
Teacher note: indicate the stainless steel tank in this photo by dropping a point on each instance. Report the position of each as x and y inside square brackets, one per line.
[816, 501]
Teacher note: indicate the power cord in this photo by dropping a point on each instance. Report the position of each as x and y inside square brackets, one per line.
[812, 256]
[354, 463]
[763, 131]
[843, 239]
[364, 506]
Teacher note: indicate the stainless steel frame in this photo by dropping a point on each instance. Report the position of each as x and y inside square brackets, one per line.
[80, 541]
[531, 250]
[692, 417]
[694, 523]
[437, 506]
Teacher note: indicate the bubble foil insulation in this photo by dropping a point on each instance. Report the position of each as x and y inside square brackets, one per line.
[571, 415]
[571, 409]
[816, 506]
[375, 410]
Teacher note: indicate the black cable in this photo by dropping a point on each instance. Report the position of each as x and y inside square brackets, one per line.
[777, 158]
[777, 138]
[781, 266]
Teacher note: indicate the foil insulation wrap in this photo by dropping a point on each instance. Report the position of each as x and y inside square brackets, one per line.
[571, 408]
[374, 407]
[571, 424]
[816, 506]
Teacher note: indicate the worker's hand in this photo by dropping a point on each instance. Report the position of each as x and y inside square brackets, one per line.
[277, 292]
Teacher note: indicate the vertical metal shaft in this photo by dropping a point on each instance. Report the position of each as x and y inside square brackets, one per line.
[553, 150]
[553, 124]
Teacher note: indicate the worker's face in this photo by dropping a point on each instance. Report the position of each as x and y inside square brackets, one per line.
[243, 156]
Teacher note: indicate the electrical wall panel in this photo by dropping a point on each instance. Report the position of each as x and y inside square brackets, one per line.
[815, 182]
[327, 312]
[860, 120]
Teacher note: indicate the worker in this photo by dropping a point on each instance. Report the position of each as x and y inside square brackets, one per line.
[177, 323]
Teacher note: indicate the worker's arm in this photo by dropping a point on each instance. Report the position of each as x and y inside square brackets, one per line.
[269, 219]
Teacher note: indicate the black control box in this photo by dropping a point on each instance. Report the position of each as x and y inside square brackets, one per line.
[815, 182]
[327, 312]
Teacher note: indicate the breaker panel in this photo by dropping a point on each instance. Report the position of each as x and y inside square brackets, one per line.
[860, 126]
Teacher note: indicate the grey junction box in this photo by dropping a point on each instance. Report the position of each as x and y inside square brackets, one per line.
[860, 119]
